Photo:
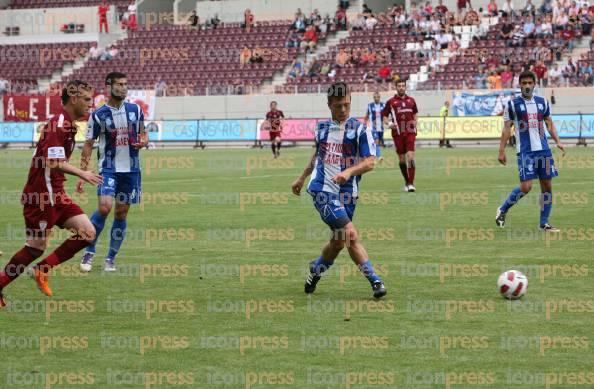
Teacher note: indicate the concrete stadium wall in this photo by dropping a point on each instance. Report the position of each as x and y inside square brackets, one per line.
[49, 21]
[568, 100]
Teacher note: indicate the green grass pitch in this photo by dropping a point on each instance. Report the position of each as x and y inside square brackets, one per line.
[209, 291]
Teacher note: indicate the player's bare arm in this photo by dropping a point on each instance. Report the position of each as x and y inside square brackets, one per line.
[300, 181]
[90, 177]
[505, 134]
[366, 165]
[85, 158]
[553, 131]
[142, 138]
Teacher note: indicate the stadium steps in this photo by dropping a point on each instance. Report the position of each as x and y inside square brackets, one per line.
[280, 77]
[105, 40]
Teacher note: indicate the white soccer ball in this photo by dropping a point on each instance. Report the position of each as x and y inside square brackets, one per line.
[512, 284]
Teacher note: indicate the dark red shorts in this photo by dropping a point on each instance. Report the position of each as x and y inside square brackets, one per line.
[274, 135]
[38, 221]
[404, 142]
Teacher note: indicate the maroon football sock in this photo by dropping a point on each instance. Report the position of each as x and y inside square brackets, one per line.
[17, 264]
[404, 172]
[63, 253]
[411, 172]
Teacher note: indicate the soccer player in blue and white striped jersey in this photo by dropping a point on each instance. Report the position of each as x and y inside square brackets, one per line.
[374, 118]
[531, 116]
[119, 126]
[344, 151]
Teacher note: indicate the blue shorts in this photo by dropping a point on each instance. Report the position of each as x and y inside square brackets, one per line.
[536, 165]
[335, 210]
[377, 135]
[125, 187]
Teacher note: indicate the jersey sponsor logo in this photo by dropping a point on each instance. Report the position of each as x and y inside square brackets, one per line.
[56, 152]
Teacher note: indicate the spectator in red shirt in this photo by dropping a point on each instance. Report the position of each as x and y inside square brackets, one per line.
[568, 34]
[103, 10]
[506, 77]
[341, 18]
[462, 4]
[248, 20]
[541, 73]
[384, 74]
[440, 8]
[492, 8]
[310, 38]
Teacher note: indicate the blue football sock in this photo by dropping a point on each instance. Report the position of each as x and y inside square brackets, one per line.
[367, 270]
[512, 199]
[118, 233]
[378, 151]
[99, 222]
[546, 204]
[320, 265]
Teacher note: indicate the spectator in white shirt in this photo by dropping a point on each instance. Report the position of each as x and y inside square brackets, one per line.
[555, 75]
[370, 23]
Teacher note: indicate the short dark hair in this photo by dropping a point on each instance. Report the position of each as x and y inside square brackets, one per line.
[338, 90]
[273, 102]
[73, 88]
[401, 81]
[527, 74]
[111, 77]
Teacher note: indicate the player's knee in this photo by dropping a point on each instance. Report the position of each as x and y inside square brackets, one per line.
[89, 234]
[526, 187]
[37, 244]
[120, 214]
[351, 235]
[104, 209]
[337, 244]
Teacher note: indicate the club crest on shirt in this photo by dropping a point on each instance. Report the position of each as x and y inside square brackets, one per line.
[540, 107]
[132, 116]
[42, 224]
[351, 134]
[522, 108]
[108, 121]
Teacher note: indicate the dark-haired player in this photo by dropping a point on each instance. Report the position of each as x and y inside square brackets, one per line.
[531, 117]
[274, 118]
[119, 126]
[344, 151]
[373, 117]
[45, 202]
[403, 112]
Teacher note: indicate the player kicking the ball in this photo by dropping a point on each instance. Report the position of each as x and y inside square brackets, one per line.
[374, 118]
[403, 112]
[119, 126]
[45, 203]
[531, 116]
[344, 151]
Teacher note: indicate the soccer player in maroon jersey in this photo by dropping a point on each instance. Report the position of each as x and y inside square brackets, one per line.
[275, 123]
[402, 109]
[45, 203]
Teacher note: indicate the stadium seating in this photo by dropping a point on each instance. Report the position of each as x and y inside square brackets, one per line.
[404, 64]
[199, 62]
[121, 5]
[24, 64]
[462, 67]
